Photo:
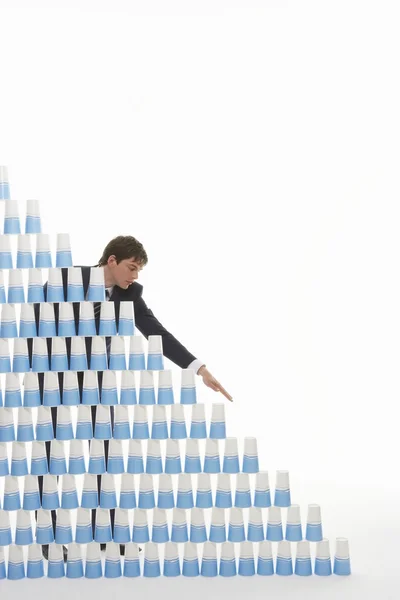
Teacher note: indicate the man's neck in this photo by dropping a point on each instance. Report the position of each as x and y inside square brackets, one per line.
[108, 279]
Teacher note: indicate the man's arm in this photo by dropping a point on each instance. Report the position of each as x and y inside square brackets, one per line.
[148, 324]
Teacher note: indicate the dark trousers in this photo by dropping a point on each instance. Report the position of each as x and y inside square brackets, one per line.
[47, 444]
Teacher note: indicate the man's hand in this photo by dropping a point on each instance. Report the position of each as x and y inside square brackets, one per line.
[212, 383]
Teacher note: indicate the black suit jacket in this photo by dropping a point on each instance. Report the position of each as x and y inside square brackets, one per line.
[145, 320]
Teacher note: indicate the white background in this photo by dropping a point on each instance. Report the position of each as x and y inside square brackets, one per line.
[253, 148]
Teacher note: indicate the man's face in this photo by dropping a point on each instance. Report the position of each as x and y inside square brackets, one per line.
[125, 272]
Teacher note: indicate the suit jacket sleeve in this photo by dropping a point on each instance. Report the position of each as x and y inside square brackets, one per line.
[148, 324]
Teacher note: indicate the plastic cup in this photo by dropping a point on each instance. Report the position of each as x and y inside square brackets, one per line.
[108, 496]
[146, 491]
[284, 565]
[136, 353]
[50, 497]
[265, 562]
[192, 456]
[75, 291]
[185, 491]
[112, 567]
[146, 391]
[217, 529]
[23, 534]
[274, 524]
[135, 457]
[102, 532]
[217, 426]
[128, 388]
[126, 325]
[127, 497]
[74, 562]
[314, 525]
[188, 387]
[173, 457]
[63, 253]
[153, 460]
[55, 286]
[282, 489]
[159, 430]
[151, 561]
[35, 568]
[341, 564]
[117, 353]
[250, 455]
[165, 392]
[35, 285]
[203, 492]
[303, 559]
[179, 532]
[97, 463]
[209, 566]
[58, 464]
[16, 293]
[160, 533]
[178, 422]
[190, 566]
[323, 564]
[96, 290]
[33, 222]
[140, 422]
[69, 495]
[140, 534]
[227, 563]
[236, 525]
[172, 566]
[223, 498]
[293, 524]
[43, 253]
[242, 493]
[115, 461]
[155, 360]
[198, 533]
[246, 559]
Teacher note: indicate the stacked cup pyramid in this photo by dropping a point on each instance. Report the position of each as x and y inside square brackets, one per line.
[101, 448]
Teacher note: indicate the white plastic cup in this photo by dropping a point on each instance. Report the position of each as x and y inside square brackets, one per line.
[314, 524]
[55, 286]
[303, 558]
[75, 285]
[209, 560]
[16, 292]
[284, 565]
[188, 387]
[155, 360]
[43, 258]
[96, 290]
[293, 524]
[32, 220]
[250, 455]
[35, 286]
[217, 426]
[341, 565]
[282, 489]
[126, 325]
[63, 253]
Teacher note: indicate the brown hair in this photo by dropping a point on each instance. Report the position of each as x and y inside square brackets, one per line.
[124, 246]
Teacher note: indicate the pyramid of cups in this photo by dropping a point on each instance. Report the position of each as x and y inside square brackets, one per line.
[106, 448]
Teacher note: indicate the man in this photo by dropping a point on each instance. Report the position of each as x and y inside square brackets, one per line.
[122, 260]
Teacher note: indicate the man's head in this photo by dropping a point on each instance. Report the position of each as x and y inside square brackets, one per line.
[122, 259]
